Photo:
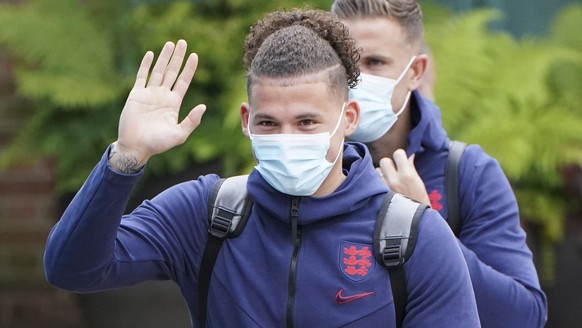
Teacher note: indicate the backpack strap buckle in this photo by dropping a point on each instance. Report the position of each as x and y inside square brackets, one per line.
[392, 255]
[221, 222]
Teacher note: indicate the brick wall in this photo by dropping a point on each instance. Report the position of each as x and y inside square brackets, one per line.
[27, 212]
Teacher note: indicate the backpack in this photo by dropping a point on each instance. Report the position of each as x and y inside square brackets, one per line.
[395, 231]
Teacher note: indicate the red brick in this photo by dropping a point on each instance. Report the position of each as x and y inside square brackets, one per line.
[22, 206]
[26, 187]
[29, 238]
[40, 309]
[26, 211]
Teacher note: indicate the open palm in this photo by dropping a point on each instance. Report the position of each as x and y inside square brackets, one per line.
[149, 122]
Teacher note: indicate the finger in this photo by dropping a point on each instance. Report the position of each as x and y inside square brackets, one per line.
[411, 159]
[186, 76]
[379, 170]
[411, 162]
[389, 170]
[142, 73]
[191, 121]
[401, 161]
[160, 67]
[175, 64]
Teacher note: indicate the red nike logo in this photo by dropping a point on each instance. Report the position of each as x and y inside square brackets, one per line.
[341, 299]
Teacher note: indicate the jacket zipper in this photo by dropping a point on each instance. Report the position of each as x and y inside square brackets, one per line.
[296, 240]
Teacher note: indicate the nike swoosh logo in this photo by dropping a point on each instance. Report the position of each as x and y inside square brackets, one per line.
[341, 299]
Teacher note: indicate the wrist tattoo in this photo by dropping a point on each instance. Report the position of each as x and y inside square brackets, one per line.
[124, 164]
[129, 165]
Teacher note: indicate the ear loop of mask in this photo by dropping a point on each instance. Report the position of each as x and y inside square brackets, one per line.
[398, 81]
[335, 130]
[404, 104]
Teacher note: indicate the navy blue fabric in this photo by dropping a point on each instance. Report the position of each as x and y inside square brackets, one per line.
[94, 248]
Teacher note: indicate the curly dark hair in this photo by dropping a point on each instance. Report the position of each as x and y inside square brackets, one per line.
[291, 44]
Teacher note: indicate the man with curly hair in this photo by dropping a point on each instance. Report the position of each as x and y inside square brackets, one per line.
[407, 141]
[304, 256]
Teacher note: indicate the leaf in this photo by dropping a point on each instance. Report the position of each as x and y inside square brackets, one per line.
[518, 99]
[73, 50]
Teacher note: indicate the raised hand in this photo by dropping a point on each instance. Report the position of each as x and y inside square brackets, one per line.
[149, 122]
[401, 176]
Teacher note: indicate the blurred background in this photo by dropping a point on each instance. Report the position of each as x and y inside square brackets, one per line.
[508, 77]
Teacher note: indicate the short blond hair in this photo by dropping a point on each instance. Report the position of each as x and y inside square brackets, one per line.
[406, 12]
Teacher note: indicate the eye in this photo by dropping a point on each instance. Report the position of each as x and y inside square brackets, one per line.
[266, 123]
[375, 62]
[306, 122]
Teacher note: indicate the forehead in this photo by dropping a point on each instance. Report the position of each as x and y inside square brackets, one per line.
[379, 36]
[273, 96]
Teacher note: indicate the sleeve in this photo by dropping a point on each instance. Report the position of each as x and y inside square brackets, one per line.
[437, 279]
[95, 247]
[493, 242]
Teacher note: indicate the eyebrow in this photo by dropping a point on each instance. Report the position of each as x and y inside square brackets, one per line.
[309, 115]
[262, 116]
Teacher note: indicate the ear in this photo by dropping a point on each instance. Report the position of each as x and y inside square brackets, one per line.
[418, 69]
[352, 115]
[245, 113]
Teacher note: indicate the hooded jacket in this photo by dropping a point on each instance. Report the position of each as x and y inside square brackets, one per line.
[504, 278]
[326, 276]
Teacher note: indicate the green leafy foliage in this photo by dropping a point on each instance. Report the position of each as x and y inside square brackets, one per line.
[76, 62]
[519, 100]
[60, 53]
[565, 79]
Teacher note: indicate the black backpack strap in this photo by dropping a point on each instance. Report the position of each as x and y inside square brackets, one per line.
[456, 150]
[395, 236]
[229, 207]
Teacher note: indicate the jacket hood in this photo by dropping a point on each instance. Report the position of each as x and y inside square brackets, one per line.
[362, 183]
[427, 132]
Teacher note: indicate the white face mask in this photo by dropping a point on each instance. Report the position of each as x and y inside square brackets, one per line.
[294, 164]
[374, 95]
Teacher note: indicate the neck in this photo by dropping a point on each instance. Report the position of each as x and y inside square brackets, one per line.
[395, 138]
[333, 180]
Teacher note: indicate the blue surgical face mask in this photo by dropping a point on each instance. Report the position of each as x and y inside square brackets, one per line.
[374, 95]
[294, 164]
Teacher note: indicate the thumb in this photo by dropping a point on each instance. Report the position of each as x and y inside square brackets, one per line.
[191, 121]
